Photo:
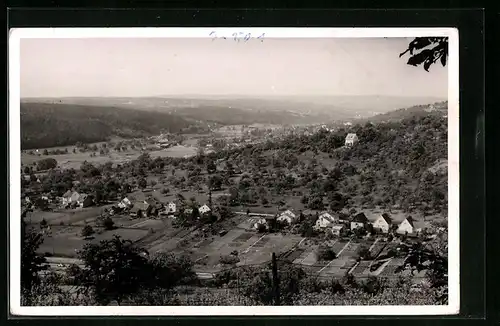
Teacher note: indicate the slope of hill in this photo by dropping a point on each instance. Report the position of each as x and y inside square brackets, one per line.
[50, 125]
[439, 109]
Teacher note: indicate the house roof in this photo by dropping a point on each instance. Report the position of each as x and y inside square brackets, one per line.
[153, 202]
[410, 221]
[67, 193]
[140, 206]
[337, 227]
[386, 217]
[83, 196]
[327, 216]
[289, 213]
[350, 136]
[360, 217]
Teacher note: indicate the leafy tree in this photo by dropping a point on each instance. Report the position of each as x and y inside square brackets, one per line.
[32, 263]
[170, 270]
[114, 269]
[46, 164]
[43, 223]
[87, 231]
[142, 183]
[215, 182]
[325, 253]
[108, 223]
[427, 56]
[363, 253]
[211, 167]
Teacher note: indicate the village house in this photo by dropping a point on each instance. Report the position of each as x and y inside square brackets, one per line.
[324, 220]
[287, 216]
[154, 207]
[139, 210]
[124, 203]
[351, 139]
[407, 226]
[337, 229]
[204, 209]
[70, 197]
[359, 221]
[171, 208]
[261, 222]
[383, 223]
[84, 200]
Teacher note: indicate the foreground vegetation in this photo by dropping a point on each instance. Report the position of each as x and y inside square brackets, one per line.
[118, 272]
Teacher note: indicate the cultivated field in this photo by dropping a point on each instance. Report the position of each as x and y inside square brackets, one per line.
[75, 160]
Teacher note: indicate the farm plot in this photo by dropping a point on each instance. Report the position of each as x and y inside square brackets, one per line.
[361, 269]
[304, 258]
[37, 216]
[334, 268]
[377, 249]
[62, 241]
[150, 224]
[260, 251]
[126, 234]
[79, 215]
[338, 247]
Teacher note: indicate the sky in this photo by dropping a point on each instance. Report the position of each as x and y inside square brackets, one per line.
[138, 67]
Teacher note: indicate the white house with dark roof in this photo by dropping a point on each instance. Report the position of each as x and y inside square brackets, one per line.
[359, 221]
[406, 226]
[351, 139]
[382, 223]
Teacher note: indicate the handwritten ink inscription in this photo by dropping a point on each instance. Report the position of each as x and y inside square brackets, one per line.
[237, 36]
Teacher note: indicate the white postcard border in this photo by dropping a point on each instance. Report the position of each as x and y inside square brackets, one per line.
[16, 35]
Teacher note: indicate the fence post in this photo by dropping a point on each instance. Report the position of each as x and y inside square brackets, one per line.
[275, 281]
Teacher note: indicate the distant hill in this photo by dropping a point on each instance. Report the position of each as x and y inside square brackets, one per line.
[246, 109]
[50, 125]
[436, 109]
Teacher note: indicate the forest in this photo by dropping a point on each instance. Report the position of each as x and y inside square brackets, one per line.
[49, 125]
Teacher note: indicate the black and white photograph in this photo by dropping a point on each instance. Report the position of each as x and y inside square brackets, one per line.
[230, 171]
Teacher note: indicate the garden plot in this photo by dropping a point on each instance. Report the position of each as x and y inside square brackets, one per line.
[262, 249]
[63, 241]
[377, 249]
[302, 256]
[361, 269]
[294, 255]
[339, 246]
[149, 224]
[334, 268]
[126, 234]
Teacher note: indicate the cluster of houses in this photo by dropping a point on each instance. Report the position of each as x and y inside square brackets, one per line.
[151, 207]
[333, 223]
[70, 199]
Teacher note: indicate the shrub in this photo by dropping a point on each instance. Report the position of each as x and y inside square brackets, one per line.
[87, 231]
[325, 253]
[229, 259]
[363, 253]
[108, 223]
